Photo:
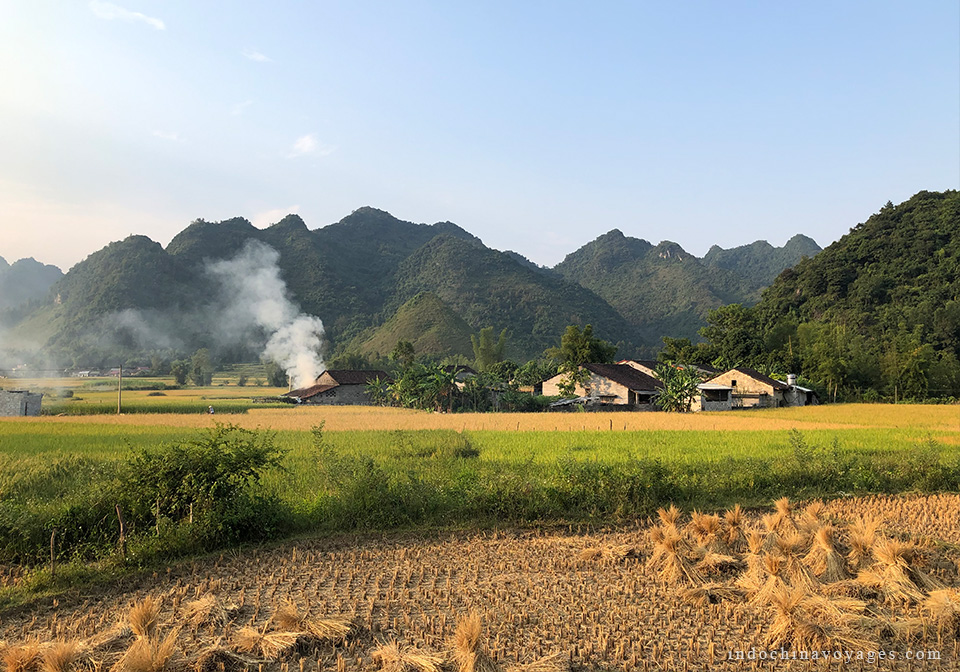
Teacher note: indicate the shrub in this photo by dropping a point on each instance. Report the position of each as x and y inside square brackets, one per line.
[211, 479]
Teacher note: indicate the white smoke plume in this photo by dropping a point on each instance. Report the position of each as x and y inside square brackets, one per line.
[256, 298]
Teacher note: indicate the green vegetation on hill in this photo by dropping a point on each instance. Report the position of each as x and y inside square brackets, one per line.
[875, 314]
[759, 263]
[24, 281]
[427, 323]
[489, 288]
[661, 290]
[136, 299]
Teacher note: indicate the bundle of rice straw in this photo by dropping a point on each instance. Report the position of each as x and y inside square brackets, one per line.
[813, 623]
[812, 517]
[112, 641]
[270, 645]
[149, 654]
[752, 580]
[770, 521]
[670, 553]
[144, 617]
[824, 558]
[705, 528]
[393, 658]
[890, 575]
[669, 517]
[468, 653]
[863, 535]
[323, 629]
[773, 567]
[207, 611]
[61, 657]
[717, 563]
[22, 658]
[943, 608]
[783, 520]
[733, 532]
[795, 572]
[615, 553]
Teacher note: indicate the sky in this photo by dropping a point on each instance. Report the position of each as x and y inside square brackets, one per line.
[535, 125]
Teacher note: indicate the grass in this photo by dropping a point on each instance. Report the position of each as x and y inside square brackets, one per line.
[375, 468]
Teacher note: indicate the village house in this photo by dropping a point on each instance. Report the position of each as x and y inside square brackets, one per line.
[613, 384]
[18, 403]
[339, 387]
[751, 389]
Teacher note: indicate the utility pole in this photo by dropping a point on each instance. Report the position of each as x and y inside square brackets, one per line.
[119, 388]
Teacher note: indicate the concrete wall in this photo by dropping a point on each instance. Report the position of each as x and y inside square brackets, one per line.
[19, 403]
[609, 391]
[342, 395]
[701, 404]
[748, 392]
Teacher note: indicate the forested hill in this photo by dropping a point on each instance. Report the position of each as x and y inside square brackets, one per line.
[759, 263]
[363, 275]
[877, 310]
[24, 281]
[662, 290]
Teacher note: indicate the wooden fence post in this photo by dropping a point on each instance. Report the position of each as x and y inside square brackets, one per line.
[123, 533]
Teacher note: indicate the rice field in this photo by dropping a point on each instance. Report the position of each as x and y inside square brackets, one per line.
[681, 591]
[612, 589]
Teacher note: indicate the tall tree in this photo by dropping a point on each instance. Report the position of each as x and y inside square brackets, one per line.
[581, 346]
[403, 354]
[201, 367]
[486, 351]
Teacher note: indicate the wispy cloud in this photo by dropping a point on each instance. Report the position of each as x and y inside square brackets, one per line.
[257, 56]
[168, 135]
[240, 108]
[108, 10]
[308, 144]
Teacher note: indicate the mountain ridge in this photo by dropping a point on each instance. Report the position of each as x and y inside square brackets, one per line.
[358, 273]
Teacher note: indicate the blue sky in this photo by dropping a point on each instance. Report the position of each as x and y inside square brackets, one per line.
[535, 125]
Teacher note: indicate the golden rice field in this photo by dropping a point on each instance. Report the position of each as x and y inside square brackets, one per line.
[940, 418]
[682, 592]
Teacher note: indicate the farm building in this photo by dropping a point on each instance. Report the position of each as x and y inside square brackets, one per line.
[19, 403]
[340, 387]
[615, 384]
[752, 389]
[712, 397]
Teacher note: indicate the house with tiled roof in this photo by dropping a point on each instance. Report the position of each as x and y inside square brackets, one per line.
[340, 387]
[611, 384]
[649, 367]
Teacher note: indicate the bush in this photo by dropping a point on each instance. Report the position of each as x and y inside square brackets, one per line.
[210, 480]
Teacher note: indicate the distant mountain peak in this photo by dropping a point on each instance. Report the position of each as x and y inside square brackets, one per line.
[670, 250]
[292, 221]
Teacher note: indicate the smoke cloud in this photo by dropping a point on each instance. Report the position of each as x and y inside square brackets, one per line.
[255, 298]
